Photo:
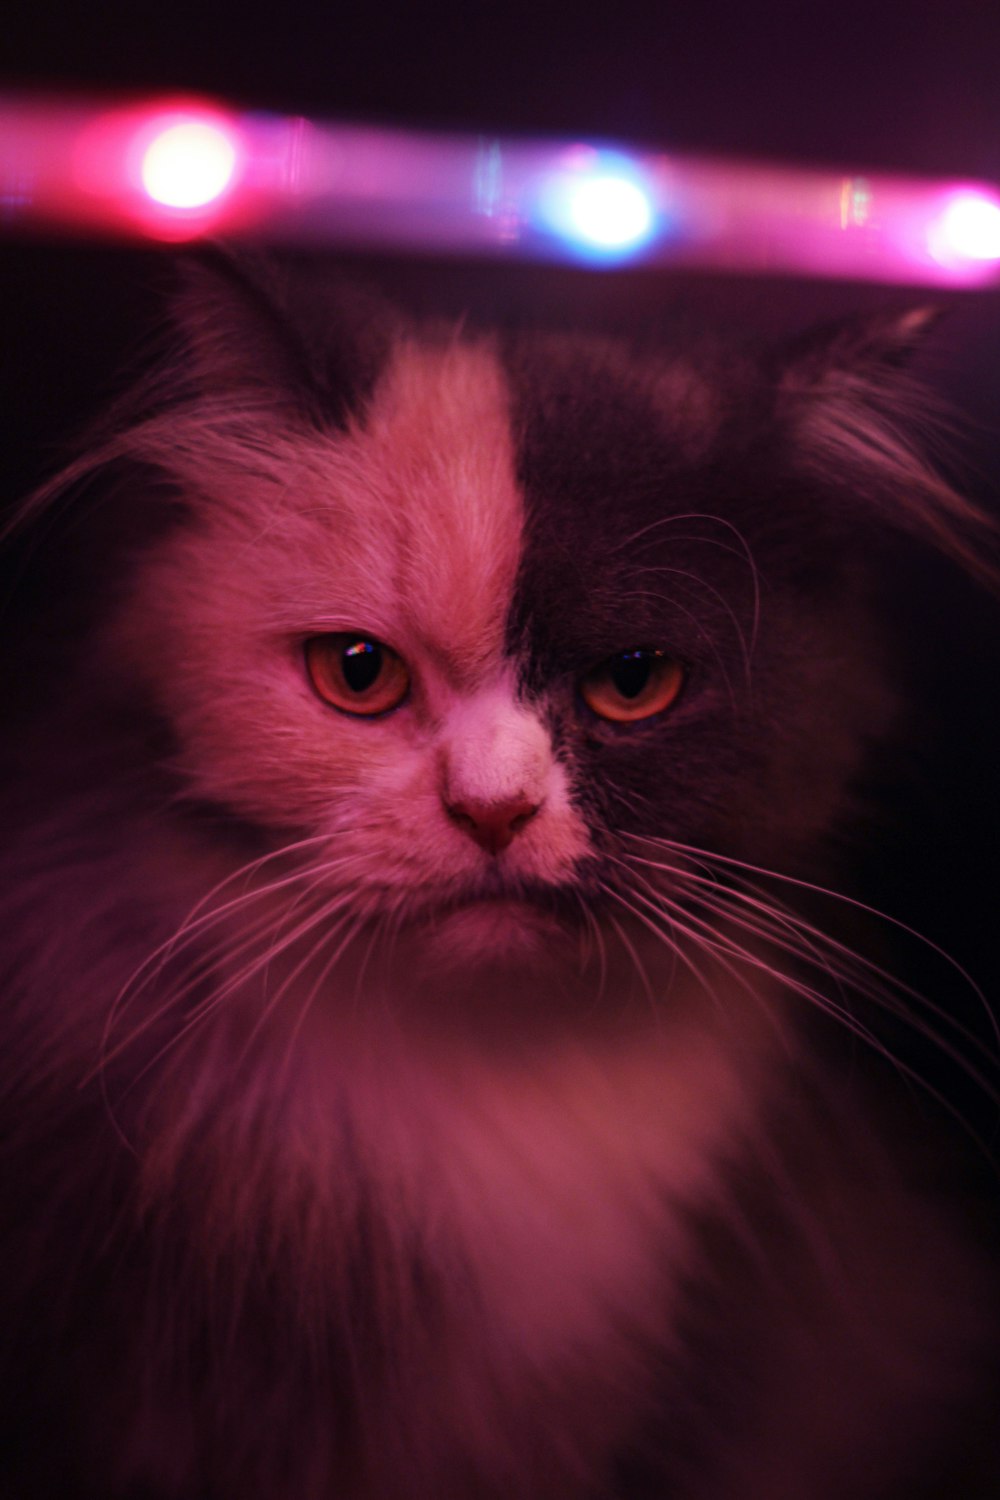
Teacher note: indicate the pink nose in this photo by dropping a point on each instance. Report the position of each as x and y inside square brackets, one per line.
[493, 825]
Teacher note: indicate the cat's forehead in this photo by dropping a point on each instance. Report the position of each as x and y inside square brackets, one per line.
[438, 523]
[477, 489]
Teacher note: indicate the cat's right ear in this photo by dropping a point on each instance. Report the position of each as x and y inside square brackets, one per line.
[280, 333]
[852, 410]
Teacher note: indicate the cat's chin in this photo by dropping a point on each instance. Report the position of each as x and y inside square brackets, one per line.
[507, 933]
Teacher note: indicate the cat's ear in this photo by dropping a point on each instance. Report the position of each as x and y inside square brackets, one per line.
[876, 347]
[275, 332]
[858, 421]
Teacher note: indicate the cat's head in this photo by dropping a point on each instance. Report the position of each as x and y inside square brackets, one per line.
[478, 619]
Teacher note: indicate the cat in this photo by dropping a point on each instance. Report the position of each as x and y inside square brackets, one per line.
[412, 1085]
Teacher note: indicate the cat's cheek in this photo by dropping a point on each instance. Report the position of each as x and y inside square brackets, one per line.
[392, 828]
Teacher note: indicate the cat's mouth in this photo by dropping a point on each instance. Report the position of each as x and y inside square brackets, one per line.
[556, 902]
[495, 922]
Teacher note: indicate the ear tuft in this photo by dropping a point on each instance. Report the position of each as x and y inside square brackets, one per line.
[868, 347]
[856, 416]
[288, 333]
[229, 314]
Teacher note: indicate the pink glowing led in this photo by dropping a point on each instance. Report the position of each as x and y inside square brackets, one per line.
[967, 230]
[189, 163]
[177, 169]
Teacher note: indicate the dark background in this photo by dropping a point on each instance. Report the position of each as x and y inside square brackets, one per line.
[858, 87]
[896, 87]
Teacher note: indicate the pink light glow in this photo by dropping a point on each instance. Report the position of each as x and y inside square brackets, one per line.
[179, 168]
[165, 171]
[188, 164]
[967, 230]
[170, 168]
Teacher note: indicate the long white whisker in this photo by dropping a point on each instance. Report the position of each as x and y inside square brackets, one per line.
[273, 1001]
[595, 937]
[236, 982]
[852, 902]
[195, 932]
[860, 983]
[204, 961]
[744, 551]
[314, 990]
[630, 949]
[721, 945]
[199, 918]
[675, 926]
[204, 964]
[857, 967]
[880, 994]
[706, 937]
[718, 597]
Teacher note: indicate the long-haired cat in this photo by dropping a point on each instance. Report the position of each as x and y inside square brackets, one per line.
[409, 1080]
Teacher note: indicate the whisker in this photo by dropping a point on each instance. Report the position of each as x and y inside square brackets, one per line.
[201, 917]
[630, 949]
[313, 994]
[706, 937]
[777, 926]
[675, 926]
[219, 996]
[286, 987]
[206, 962]
[198, 918]
[798, 987]
[879, 990]
[852, 902]
[201, 968]
[744, 551]
[720, 599]
[594, 945]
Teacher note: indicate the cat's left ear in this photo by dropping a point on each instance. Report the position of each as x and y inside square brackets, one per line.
[280, 332]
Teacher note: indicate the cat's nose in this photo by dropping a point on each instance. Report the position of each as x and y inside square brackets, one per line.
[493, 825]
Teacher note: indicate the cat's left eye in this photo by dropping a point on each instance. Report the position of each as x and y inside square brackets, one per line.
[355, 673]
[633, 685]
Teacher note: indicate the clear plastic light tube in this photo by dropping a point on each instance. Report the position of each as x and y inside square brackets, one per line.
[177, 169]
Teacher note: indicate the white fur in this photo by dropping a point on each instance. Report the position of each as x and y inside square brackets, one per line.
[409, 529]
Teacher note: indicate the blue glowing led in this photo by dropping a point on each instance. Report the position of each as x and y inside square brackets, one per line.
[599, 203]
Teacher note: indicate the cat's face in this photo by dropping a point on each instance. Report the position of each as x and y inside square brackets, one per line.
[435, 777]
[528, 605]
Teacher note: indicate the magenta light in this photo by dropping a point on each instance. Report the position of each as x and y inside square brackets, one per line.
[177, 169]
[967, 229]
[165, 170]
[189, 163]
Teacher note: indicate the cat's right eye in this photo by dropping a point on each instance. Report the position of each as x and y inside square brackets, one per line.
[356, 673]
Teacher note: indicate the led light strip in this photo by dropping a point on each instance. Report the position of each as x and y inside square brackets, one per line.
[178, 169]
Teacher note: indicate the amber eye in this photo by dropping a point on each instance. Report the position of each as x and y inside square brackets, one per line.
[633, 685]
[355, 673]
